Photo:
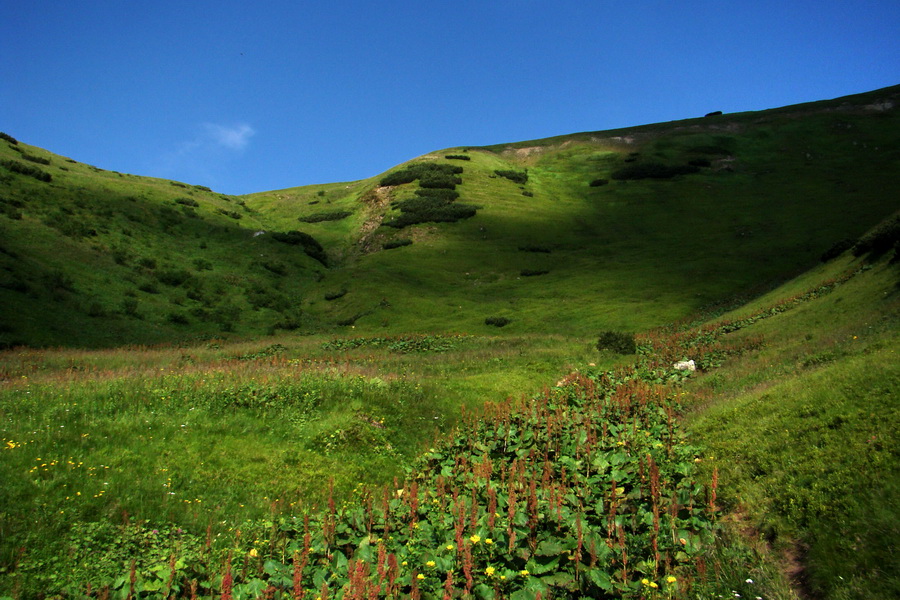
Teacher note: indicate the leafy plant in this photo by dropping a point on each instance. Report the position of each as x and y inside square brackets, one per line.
[497, 321]
[616, 341]
[319, 217]
[520, 177]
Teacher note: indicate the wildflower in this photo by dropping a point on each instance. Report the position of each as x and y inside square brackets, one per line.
[645, 581]
[420, 576]
[431, 563]
[653, 584]
[253, 553]
[475, 538]
[524, 573]
[450, 546]
[748, 581]
[671, 579]
[404, 563]
[488, 541]
[489, 571]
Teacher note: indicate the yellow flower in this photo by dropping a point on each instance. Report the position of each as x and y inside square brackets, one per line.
[431, 563]
[488, 541]
[653, 584]
[450, 546]
[489, 571]
[524, 573]
[475, 538]
[420, 576]
[671, 579]
[253, 552]
[645, 581]
[404, 563]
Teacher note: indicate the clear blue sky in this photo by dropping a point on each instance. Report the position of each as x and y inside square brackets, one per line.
[253, 96]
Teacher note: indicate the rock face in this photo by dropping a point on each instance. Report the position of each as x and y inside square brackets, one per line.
[685, 365]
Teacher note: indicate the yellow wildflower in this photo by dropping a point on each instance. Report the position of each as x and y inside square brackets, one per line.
[524, 573]
[475, 538]
[488, 541]
[653, 584]
[671, 579]
[431, 563]
[450, 546]
[253, 552]
[489, 571]
[645, 581]
[420, 576]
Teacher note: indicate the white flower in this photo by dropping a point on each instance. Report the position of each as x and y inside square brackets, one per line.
[748, 581]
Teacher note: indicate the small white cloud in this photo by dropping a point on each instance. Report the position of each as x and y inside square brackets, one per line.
[232, 138]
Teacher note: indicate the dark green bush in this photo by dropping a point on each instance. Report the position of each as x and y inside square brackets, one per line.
[349, 320]
[329, 296]
[532, 272]
[439, 180]
[9, 138]
[599, 182]
[187, 202]
[528, 194]
[497, 321]
[700, 162]
[173, 277]
[449, 213]
[312, 247]
[147, 262]
[652, 170]
[438, 193]
[457, 157]
[396, 244]
[319, 217]
[531, 248]
[879, 240]
[36, 159]
[177, 318]
[519, 177]
[229, 213]
[837, 249]
[616, 341]
[148, 287]
[17, 167]
[201, 264]
[418, 170]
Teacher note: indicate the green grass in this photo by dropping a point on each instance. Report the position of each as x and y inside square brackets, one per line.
[256, 379]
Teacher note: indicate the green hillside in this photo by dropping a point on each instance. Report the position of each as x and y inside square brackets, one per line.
[394, 387]
[680, 217]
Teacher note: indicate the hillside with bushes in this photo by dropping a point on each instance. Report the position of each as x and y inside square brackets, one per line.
[656, 362]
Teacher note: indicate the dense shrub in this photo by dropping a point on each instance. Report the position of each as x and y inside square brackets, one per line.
[184, 201]
[528, 194]
[173, 277]
[837, 249]
[881, 239]
[229, 213]
[36, 159]
[319, 217]
[17, 167]
[700, 162]
[177, 318]
[497, 321]
[312, 247]
[9, 138]
[201, 264]
[519, 177]
[418, 170]
[652, 170]
[457, 157]
[532, 248]
[616, 341]
[438, 193]
[329, 296]
[599, 182]
[449, 213]
[396, 244]
[532, 272]
[439, 180]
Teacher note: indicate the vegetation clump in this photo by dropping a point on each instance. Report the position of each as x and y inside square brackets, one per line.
[520, 177]
[17, 167]
[434, 172]
[599, 182]
[311, 246]
[652, 170]
[9, 138]
[457, 157]
[881, 239]
[616, 341]
[397, 243]
[497, 321]
[319, 217]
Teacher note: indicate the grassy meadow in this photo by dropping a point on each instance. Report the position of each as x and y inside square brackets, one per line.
[393, 388]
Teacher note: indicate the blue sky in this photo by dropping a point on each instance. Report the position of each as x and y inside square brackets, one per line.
[253, 96]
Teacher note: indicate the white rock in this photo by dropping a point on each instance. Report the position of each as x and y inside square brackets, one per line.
[685, 365]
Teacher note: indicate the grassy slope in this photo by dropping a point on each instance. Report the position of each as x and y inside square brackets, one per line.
[797, 181]
[804, 433]
[627, 255]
